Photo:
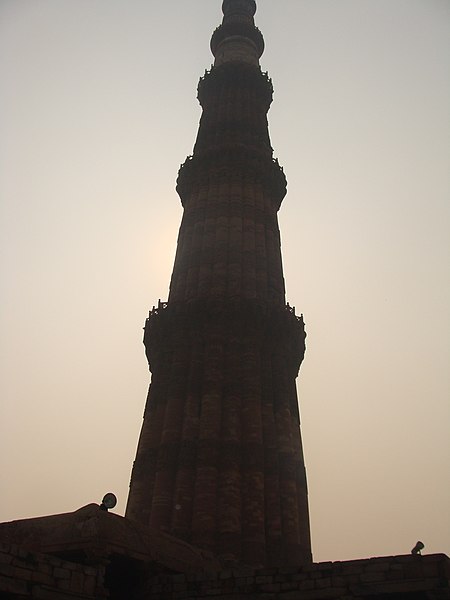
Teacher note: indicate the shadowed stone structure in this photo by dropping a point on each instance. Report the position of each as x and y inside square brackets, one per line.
[219, 462]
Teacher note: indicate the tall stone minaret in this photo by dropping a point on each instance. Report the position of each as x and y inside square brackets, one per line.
[219, 461]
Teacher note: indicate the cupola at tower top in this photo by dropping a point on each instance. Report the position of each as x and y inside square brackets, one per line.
[237, 39]
[239, 7]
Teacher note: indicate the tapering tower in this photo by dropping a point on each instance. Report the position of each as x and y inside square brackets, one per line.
[219, 461]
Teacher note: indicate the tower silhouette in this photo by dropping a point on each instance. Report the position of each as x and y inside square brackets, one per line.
[219, 460]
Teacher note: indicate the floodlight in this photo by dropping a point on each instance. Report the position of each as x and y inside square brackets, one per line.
[417, 548]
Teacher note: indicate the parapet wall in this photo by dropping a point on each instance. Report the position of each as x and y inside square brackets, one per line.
[399, 577]
[25, 574]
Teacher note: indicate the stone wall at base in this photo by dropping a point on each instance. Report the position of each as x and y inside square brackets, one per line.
[25, 574]
[32, 575]
[398, 577]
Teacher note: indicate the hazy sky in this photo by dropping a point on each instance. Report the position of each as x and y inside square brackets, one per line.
[97, 111]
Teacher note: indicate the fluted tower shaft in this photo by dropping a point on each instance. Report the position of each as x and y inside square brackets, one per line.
[219, 460]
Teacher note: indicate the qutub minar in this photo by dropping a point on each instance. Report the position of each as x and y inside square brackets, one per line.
[219, 461]
[218, 501]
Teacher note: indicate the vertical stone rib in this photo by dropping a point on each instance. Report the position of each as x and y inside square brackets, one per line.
[219, 270]
[261, 253]
[185, 480]
[206, 264]
[178, 284]
[235, 251]
[204, 526]
[253, 526]
[230, 480]
[192, 266]
[283, 417]
[163, 505]
[248, 256]
[304, 535]
[271, 464]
